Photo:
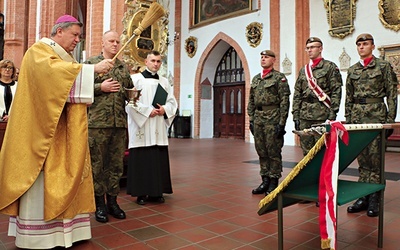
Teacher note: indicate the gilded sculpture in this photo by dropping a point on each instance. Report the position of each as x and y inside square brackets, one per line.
[391, 53]
[191, 46]
[341, 14]
[254, 33]
[389, 13]
[152, 38]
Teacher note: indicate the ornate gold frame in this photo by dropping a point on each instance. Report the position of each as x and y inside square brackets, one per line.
[340, 14]
[198, 8]
[152, 38]
[191, 46]
[391, 53]
[389, 13]
[254, 33]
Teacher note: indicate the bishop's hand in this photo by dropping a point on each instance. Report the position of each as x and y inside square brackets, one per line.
[104, 66]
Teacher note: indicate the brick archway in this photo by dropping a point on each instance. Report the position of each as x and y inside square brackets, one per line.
[197, 88]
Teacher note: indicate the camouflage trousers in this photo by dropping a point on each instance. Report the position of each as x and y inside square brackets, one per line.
[269, 149]
[307, 142]
[107, 148]
[369, 162]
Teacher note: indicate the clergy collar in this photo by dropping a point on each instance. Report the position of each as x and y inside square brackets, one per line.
[148, 74]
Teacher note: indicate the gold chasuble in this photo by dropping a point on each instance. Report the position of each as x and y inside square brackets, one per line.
[45, 133]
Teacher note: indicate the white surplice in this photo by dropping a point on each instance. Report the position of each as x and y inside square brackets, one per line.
[144, 130]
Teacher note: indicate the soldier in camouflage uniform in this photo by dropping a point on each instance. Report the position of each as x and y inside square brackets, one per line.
[268, 110]
[307, 108]
[107, 129]
[368, 82]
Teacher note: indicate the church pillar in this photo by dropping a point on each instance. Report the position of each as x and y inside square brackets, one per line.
[177, 50]
[14, 31]
[94, 27]
[302, 13]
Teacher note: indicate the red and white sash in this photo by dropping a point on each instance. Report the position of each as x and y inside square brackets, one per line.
[312, 84]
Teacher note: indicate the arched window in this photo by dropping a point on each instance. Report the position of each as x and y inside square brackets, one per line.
[230, 69]
[239, 102]
[232, 102]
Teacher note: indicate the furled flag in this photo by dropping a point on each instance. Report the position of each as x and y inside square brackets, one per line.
[328, 180]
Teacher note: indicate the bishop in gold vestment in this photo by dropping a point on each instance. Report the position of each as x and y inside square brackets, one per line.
[46, 178]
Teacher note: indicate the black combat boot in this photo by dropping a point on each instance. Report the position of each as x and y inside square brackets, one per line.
[373, 205]
[263, 186]
[358, 206]
[272, 185]
[101, 211]
[113, 207]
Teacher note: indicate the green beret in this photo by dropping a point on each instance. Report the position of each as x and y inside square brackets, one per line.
[364, 37]
[267, 53]
[313, 39]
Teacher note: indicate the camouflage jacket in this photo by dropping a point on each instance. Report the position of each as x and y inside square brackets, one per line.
[272, 90]
[108, 109]
[306, 105]
[376, 80]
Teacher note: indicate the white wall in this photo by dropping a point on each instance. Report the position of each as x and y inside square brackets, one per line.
[287, 46]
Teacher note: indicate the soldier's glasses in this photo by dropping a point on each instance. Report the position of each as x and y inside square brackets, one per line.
[311, 47]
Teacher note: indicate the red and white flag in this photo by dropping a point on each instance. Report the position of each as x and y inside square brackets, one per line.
[328, 180]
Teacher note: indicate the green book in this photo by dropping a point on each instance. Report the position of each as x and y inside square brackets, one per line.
[160, 97]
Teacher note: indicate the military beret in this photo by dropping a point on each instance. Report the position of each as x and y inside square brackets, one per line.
[364, 37]
[267, 53]
[313, 39]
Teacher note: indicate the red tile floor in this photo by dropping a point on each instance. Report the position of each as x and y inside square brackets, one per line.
[212, 208]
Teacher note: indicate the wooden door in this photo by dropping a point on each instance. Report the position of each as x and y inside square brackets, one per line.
[229, 96]
[229, 111]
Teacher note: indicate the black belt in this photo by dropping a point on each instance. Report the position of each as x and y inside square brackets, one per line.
[368, 100]
[266, 108]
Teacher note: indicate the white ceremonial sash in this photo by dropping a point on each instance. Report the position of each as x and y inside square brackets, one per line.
[83, 89]
[312, 84]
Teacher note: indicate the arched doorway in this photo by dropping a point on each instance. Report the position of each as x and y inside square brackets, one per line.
[229, 97]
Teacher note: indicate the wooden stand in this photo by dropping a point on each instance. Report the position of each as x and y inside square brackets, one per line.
[304, 186]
